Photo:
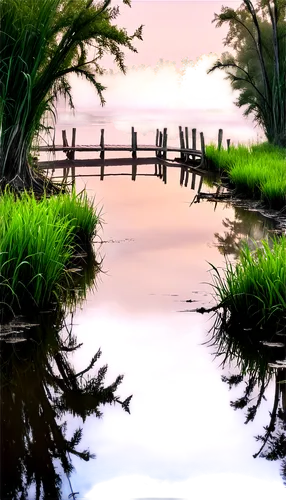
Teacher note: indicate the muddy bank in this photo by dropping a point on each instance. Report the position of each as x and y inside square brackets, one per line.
[278, 218]
[226, 194]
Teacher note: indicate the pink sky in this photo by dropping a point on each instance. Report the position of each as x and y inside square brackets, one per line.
[173, 30]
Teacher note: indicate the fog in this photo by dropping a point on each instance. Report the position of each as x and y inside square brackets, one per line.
[147, 99]
[147, 91]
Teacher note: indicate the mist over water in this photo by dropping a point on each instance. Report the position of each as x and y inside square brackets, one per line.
[148, 91]
[168, 94]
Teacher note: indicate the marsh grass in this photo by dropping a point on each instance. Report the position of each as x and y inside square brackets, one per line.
[253, 291]
[38, 240]
[259, 172]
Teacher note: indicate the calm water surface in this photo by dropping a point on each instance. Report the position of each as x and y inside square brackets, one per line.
[182, 439]
[156, 251]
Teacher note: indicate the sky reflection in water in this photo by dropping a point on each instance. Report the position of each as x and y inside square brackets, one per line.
[182, 438]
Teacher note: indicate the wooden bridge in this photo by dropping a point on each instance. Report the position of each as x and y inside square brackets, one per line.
[187, 155]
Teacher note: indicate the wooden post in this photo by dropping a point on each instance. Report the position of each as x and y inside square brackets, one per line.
[73, 175]
[165, 174]
[187, 141]
[200, 184]
[165, 138]
[160, 143]
[132, 137]
[182, 144]
[65, 145]
[203, 149]
[133, 142]
[182, 174]
[64, 136]
[219, 142]
[102, 143]
[228, 144]
[72, 153]
[157, 142]
[194, 141]
[134, 171]
[187, 177]
[193, 185]
[102, 172]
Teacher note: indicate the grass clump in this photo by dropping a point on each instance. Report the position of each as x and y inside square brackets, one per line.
[37, 243]
[258, 171]
[253, 291]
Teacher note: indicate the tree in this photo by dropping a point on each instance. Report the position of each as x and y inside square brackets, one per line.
[39, 387]
[42, 42]
[257, 69]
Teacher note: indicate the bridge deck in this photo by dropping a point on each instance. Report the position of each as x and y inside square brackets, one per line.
[88, 149]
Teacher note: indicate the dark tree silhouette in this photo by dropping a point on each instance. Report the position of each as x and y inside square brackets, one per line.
[39, 387]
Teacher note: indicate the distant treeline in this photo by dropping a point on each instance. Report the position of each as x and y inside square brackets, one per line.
[204, 61]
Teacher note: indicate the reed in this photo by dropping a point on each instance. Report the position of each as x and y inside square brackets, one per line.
[253, 291]
[37, 243]
[259, 171]
[42, 42]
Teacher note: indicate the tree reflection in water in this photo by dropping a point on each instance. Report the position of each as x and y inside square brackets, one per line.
[256, 354]
[246, 226]
[39, 387]
[257, 357]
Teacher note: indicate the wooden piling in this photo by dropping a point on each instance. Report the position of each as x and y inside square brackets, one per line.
[219, 141]
[187, 177]
[182, 143]
[194, 140]
[72, 154]
[102, 144]
[193, 185]
[101, 172]
[203, 149]
[157, 142]
[160, 143]
[65, 145]
[134, 171]
[165, 174]
[187, 141]
[64, 136]
[228, 144]
[73, 175]
[133, 142]
[182, 174]
[165, 138]
[200, 184]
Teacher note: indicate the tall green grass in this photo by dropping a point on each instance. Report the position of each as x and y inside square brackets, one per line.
[259, 171]
[253, 291]
[41, 43]
[37, 242]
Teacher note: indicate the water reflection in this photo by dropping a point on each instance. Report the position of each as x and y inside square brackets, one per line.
[187, 176]
[39, 389]
[255, 358]
[245, 227]
[40, 386]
